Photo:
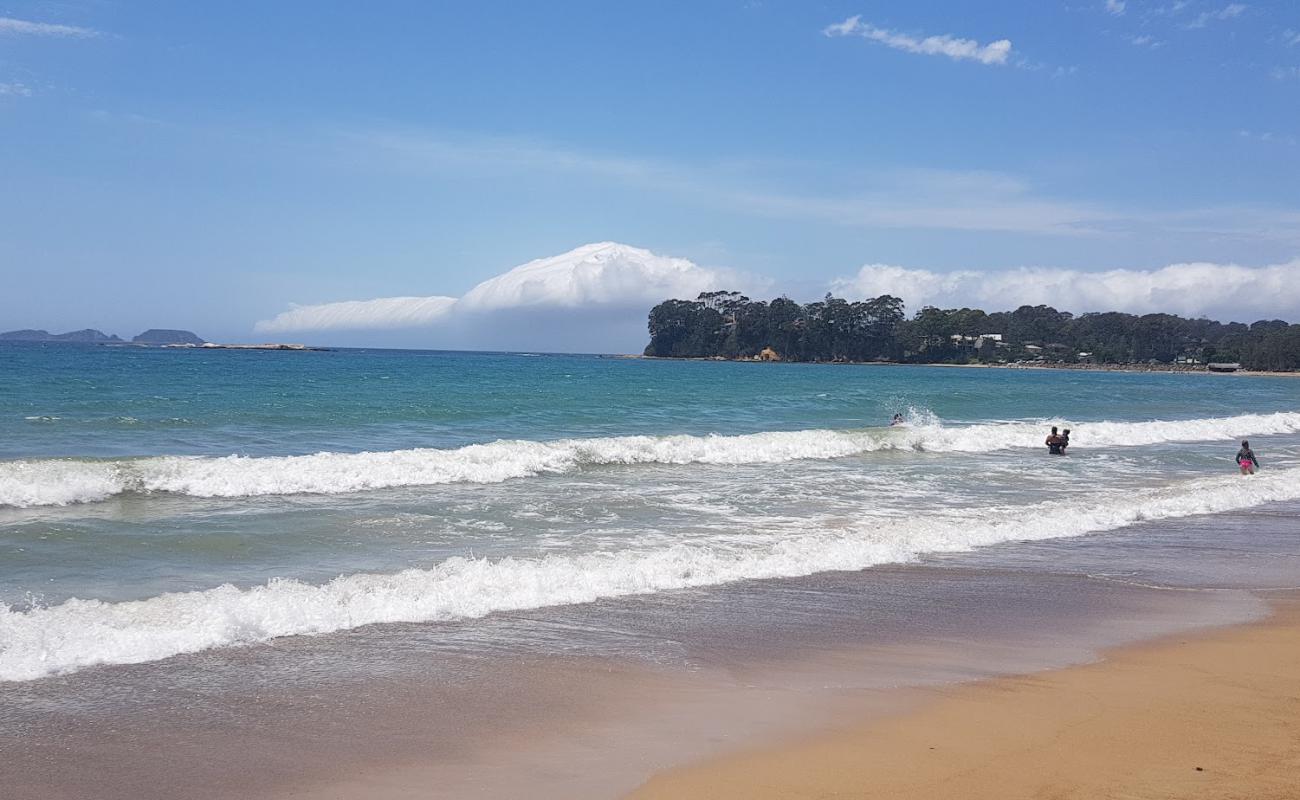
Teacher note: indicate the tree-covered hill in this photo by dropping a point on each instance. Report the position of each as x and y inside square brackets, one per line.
[730, 325]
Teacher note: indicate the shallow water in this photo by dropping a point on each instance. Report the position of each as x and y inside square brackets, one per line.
[589, 700]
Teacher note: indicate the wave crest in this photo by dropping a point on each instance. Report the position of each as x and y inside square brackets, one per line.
[80, 633]
[66, 481]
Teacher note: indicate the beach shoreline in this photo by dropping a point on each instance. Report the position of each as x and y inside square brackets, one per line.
[1010, 734]
[1207, 714]
[781, 663]
[1144, 369]
[752, 666]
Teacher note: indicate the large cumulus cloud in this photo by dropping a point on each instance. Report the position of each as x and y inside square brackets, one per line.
[605, 283]
[606, 274]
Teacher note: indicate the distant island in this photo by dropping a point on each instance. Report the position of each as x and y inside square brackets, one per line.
[728, 325]
[154, 336]
[87, 335]
[165, 336]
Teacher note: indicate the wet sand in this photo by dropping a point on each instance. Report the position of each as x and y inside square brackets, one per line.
[605, 697]
[1215, 715]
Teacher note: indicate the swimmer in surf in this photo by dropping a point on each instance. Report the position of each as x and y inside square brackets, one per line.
[1246, 459]
[897, 420]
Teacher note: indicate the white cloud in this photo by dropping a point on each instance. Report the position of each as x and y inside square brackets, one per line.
[1286, 73]
[1116, 7]
[585, 288]
[943, 45]
[20, 27]
[1146, 40]
[1269, 136]
[501, 153]
[605, 274]
[1171, 10]
[1290, 38]
[864, 197]
[886, 198]
[385, 312]
[600, 277]
[1230, 11]
[845, 28]
[974, 200]
[1223, 290]
[15, 89]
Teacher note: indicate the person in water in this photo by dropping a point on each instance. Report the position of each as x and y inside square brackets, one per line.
[1246, 459]
[1065, 440]
[1055, 444]
[897, 420]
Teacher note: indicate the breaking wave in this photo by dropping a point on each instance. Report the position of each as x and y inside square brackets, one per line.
[49, 482]
[80, 633]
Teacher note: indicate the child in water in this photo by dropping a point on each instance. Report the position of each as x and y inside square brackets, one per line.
[1246, 459]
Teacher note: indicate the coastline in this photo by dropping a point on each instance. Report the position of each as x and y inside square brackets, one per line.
[1211, 714]
[390, 712]
[1145, 369]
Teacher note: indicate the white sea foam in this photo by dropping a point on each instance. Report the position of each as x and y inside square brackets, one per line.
[65, 481]
[80, 633]
[56, 482]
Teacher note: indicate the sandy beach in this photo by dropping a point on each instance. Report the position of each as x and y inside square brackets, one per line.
[1208, 716]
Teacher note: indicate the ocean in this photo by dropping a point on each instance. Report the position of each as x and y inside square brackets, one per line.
[262, 574]
[159, 502]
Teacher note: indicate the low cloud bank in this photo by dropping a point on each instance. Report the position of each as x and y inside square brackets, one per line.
[595, 298]
[384, 312]
[597, 281]
[1224, 291]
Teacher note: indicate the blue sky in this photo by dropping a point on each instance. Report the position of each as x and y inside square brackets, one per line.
[209, 165]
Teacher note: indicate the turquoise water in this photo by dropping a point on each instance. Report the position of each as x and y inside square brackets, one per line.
[156, 502]
[64, 400]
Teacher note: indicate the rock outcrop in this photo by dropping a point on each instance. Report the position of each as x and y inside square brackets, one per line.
[167, 336]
